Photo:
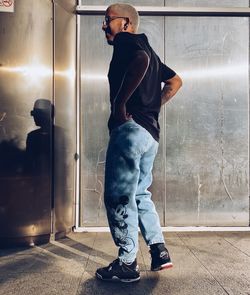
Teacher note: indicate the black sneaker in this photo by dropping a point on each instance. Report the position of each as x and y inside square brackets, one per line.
[160, 257]
[119, 271]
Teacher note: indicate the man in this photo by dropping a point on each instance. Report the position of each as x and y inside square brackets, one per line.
[135, 77]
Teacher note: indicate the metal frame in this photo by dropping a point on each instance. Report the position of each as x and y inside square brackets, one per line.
[78, 137]
[170, 11]
[144, 10]
[175, 229]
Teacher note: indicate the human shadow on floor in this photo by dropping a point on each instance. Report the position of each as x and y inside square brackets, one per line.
[93, 286]
[19, 262]
[91, 259]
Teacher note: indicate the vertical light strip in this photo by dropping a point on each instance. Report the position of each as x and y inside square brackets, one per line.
[164, 133]
[78, 110]
[249, 110]
[52, 185]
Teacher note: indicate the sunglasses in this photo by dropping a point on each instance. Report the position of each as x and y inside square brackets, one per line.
[109, 19]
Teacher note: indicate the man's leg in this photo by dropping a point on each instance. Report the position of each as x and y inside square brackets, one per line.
[148, 217]
[121, 179]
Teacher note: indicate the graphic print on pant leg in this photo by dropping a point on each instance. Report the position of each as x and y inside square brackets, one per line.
[117, 215]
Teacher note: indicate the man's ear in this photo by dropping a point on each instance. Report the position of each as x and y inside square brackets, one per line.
[125, 24]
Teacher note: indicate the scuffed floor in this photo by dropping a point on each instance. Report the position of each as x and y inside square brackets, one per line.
[204, 263]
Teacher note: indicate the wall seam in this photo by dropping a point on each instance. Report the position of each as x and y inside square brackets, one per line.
[52, 131]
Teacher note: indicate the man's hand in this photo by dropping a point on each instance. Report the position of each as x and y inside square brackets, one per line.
[120, 114]
[136, 71]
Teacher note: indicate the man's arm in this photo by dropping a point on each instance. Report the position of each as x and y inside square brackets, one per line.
[170, 88]
[132, 78]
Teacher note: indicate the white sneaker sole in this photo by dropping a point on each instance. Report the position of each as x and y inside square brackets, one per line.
[166, 265]
[163, 266]
[116, 279]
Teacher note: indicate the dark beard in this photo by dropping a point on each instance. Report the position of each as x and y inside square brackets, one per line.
[108, 31]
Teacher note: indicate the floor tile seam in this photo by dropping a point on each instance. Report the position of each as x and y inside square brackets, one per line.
[203, 266]
[81, 279]
[236, 247]
[229, 252]
[92, 250]
[144, 263]
[220, 237]
[86, 266]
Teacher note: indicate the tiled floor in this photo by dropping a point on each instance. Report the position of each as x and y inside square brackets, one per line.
[204, 263]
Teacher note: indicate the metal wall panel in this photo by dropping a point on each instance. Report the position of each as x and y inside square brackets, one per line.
[207, 123]
[95, 58]
[200, 177]
[153, 27]
[36, 63]
[25, 76]
[65, 115]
